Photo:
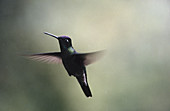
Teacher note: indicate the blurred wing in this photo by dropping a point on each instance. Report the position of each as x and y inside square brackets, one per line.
[54, 57]
[89, 58]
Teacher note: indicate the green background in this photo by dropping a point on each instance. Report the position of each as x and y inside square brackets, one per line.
[134, 74]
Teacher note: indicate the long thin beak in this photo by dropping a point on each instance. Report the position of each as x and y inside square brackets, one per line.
[51, 35]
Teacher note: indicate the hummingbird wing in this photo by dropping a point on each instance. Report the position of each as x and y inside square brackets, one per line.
[89, 58]
[53, 57]
[84, 84]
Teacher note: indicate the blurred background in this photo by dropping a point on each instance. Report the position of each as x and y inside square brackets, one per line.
[134, 74]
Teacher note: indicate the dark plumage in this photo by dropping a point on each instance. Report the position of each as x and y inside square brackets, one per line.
[73, 62]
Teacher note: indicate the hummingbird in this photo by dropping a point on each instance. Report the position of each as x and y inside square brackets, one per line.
[73, 61]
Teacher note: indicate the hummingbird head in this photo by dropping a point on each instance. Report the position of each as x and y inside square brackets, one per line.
[65, 41]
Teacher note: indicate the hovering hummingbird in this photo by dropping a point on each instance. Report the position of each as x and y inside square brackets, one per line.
[73, 62]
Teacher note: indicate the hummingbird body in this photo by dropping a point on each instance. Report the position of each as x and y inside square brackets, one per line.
[73, 62]
[73, 65]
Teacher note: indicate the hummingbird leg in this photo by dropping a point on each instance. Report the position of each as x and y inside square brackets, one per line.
[84, 85]
[84, 79]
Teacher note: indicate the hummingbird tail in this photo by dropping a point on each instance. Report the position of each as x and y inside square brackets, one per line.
[85, 87]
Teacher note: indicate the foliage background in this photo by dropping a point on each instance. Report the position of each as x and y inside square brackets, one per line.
[134, 74]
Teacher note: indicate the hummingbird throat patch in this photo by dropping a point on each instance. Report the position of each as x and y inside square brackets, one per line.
[70, 49]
